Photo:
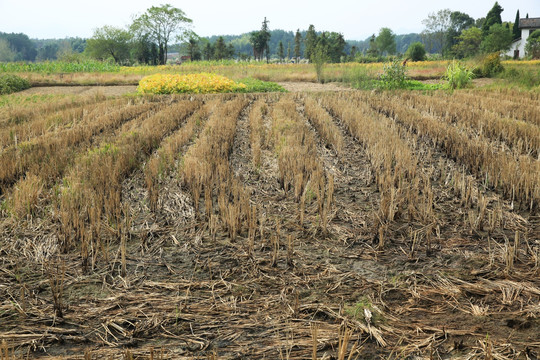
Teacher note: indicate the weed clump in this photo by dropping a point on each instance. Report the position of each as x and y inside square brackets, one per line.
[458, 76]
[394, 76]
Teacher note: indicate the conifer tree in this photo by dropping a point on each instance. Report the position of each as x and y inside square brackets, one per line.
[493, 17]
[220, 49]
[281, 51]
[515, 30]
[310, 42]
[297, 45]
[288, 50]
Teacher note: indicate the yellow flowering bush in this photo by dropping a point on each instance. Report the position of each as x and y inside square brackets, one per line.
[203, 83]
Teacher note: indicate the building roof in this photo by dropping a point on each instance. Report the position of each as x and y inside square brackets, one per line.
[530, 23]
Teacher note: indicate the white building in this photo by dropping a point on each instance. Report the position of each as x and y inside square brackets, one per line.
[527, 26]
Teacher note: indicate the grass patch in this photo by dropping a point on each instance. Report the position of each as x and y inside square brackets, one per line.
[256, 85]
[52, 67]
[418, 85]
[527, 78]
[19, 99]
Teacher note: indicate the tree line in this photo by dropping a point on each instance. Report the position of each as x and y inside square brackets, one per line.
[454, 34]
[164, 29]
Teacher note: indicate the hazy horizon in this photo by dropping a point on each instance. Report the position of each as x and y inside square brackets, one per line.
[356, 20]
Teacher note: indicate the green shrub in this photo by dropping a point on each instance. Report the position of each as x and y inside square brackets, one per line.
[416, 52]
[12, 83]
[394, 76]
[458, 76]
[491, 66]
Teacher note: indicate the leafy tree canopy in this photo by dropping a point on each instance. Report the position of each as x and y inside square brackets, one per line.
[109, 41]
[23, 48]
[468, 42]
[416, 52]
[437, 26]
[499, 38]
[386, 41]
[163, 24]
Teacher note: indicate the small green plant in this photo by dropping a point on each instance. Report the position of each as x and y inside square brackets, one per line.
[394, 76]
[363, 308]
[12, 83]
[458, 76]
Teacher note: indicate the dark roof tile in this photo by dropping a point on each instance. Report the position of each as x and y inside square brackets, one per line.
[529, 23]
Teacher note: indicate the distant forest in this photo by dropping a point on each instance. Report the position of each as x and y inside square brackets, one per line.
[19, 47]
[242, 44]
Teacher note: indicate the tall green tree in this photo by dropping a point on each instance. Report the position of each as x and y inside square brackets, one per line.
[288, 50]
[47, 52]
[230, 51]
[386, 41]
[281, 51]
[310, 42]
[163, 24]
[208, 51]
[265, 31]
[109, 42]
[373, 48]
[516, 32]
[220, 49]
[468, 42]
[6, 53]
[499, 38]
[493, 17]
[193, 50]
[435, 33]
[21, 45]
[297, 45]
[459, 21]
[144, 51]
[259, 40]
[336, 47]
[354, 50]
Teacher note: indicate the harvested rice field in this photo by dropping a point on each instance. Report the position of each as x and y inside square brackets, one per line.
[320, 225]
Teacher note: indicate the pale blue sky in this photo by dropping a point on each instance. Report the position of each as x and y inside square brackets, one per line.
[355, 19]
